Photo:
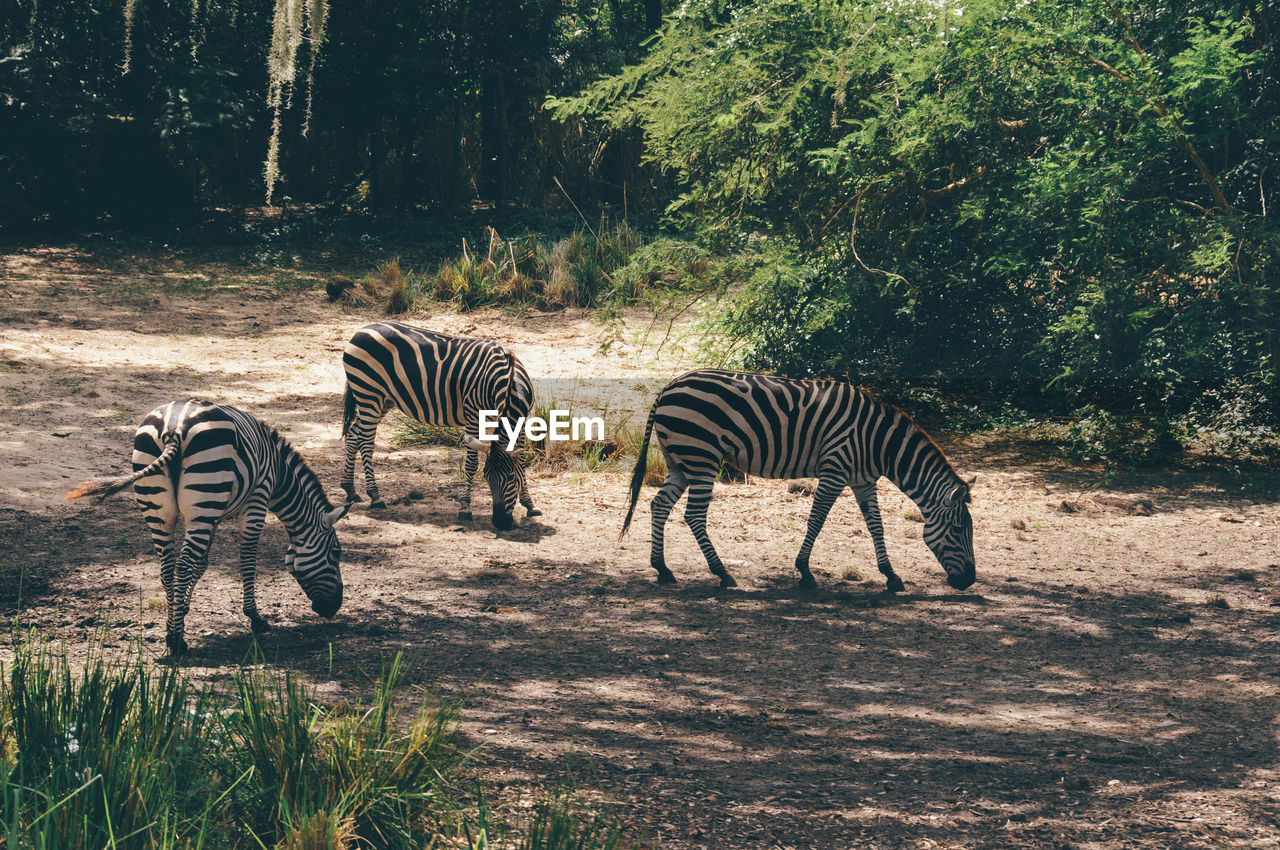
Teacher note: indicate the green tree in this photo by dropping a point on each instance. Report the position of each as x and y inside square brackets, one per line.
[993, 196]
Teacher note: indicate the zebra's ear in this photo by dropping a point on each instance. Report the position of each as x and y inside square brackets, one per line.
[330, 517]
[968, 482]
[479, 445]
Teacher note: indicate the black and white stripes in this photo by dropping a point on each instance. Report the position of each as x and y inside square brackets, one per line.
[206, 463]
[438, 379]
[782, 428]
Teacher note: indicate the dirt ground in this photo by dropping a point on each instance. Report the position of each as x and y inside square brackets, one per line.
[1112, 680]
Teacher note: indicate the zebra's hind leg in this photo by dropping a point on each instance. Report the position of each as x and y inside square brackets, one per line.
[162, 534]
[364, 437]
[251, 522]
[469, 471]
[160, 513]
[830, 486]
[866, 496]
[191, 566]
[660, 508]
[348, 480]
[695, 514]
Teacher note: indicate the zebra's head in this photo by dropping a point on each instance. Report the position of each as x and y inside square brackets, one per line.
[505, 473]
[314, 558]
[948, 531]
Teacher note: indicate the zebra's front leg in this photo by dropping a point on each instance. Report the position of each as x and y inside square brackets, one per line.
[469, 472]
[190, 567]
[866, 496]
[829, 488]
[251, 522]
[672, 489]
[695, 514]
[525, 498]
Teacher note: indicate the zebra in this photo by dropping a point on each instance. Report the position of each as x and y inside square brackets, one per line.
[438, 379]
[209, 462]
[783, 428]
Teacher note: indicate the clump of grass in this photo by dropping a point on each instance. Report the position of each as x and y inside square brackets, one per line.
[367, 772]
[120, 753]
[410, 432]
[590, 267]
[353, 293]
[101, 749]
[393, 280]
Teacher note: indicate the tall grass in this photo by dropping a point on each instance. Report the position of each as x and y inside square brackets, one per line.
[116, 752]
[360, 773]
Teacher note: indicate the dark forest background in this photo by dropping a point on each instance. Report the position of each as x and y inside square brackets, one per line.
[1060, 207]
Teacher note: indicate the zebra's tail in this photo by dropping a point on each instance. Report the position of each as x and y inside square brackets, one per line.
[348, 409]
[642, 465]
[101, 488]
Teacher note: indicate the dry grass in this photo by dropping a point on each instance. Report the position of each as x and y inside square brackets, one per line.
[396, 284]
[577, 271]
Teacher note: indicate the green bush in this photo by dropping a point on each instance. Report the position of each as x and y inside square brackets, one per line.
[1059, 204]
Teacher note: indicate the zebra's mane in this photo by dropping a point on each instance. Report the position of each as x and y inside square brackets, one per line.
[923, 433]
[308, 481]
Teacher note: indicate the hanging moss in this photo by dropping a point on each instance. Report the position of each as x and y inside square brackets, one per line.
[295, 21]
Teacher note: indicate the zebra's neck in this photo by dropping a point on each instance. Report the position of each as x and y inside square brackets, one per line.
[299, 499]
[918, 468]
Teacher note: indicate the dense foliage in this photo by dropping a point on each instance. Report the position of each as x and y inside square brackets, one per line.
[411, 105]
[1000, 197]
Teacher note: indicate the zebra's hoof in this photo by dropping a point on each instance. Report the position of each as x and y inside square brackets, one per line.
[726, 580]
[465, 516]
[808, 583]
[378, 505]
[665, 576]
[177, 647]
[352, 496]
[260, 626]
[533, 512]
[895, 585]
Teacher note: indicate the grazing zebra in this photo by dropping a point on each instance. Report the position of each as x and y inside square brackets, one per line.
[209, 462]
[438, 379]
[782, 428]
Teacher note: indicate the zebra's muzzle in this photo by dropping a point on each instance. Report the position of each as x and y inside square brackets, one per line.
[960, 579]
[327, 606]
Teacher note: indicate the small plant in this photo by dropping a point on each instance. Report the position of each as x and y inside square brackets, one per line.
[411, 432]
